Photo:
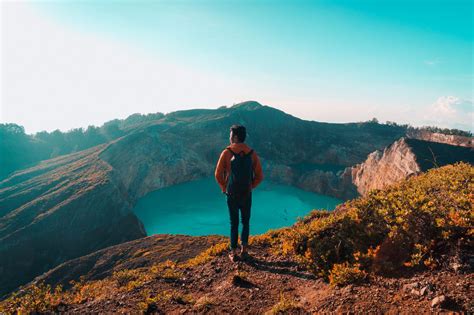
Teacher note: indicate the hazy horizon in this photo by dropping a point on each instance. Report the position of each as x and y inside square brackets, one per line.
[69, 65]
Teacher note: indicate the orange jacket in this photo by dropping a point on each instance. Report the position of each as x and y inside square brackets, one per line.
[223, 165]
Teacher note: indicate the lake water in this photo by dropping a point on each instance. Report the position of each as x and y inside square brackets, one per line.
[199, 208]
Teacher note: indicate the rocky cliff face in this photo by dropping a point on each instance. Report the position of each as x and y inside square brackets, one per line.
[403, 159]
[396, 162]
[441, 138]
[334, 182]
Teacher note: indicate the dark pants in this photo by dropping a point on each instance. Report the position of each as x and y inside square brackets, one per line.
[234, 204]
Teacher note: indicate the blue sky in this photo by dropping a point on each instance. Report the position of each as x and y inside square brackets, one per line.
[338, 61]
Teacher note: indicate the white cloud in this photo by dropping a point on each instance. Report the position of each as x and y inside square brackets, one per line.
[444, 112]
[450, 112]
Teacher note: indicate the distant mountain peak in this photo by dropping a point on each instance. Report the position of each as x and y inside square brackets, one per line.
[248, 105]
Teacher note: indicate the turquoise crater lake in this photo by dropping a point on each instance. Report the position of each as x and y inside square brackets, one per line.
[199, 208]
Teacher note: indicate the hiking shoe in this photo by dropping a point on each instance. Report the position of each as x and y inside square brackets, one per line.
[233, 256]
[245, 255]
[244, 251]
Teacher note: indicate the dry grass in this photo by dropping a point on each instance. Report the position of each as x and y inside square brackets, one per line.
[205, 303]
[285, 305]
[207, 255]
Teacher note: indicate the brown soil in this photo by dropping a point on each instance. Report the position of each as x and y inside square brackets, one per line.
[256, 285]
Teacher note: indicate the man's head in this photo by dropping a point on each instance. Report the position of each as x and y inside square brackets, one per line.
[237, 134]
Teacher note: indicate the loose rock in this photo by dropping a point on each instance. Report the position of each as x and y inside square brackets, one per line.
[438, 301]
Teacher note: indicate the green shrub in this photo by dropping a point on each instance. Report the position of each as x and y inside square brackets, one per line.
[167, 270]
[123, 277]
[389, 229]
[345, 273]
[35, 299]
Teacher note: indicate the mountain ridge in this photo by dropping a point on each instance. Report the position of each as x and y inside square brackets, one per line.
[20, 151]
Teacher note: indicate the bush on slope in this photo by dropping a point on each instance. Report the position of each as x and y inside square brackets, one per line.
[412, 224]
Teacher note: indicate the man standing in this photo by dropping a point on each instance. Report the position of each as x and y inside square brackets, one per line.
[238, 171]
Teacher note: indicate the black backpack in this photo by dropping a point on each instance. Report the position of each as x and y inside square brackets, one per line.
[241, 174]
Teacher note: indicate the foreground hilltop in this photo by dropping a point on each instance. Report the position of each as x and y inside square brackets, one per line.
[406, 247]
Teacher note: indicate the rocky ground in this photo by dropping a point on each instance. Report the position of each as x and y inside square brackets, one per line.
[268, 283]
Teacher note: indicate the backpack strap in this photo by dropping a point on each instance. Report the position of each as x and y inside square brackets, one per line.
[233, 153]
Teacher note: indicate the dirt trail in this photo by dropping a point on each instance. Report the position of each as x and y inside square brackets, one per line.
[266, 282]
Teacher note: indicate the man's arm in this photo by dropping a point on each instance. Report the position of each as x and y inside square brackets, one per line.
[257, 170]
[220, 172]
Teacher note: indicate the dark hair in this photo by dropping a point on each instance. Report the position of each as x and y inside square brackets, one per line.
[239, 131]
